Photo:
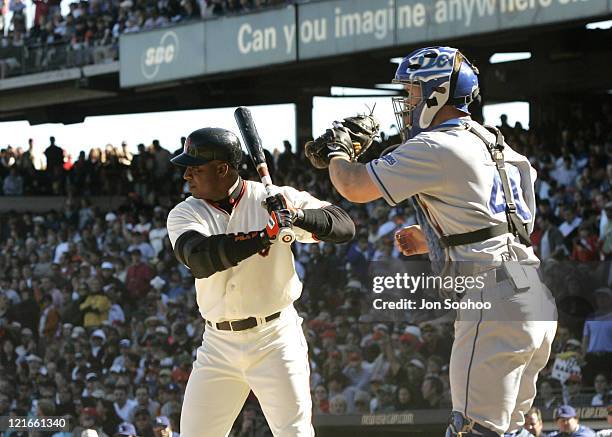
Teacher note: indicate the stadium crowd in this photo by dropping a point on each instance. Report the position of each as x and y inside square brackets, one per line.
[98, 319]
[92, 28]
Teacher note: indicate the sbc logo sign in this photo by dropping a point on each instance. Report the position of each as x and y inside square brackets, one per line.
[164, 53]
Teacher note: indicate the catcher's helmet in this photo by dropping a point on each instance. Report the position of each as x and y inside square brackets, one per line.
[445, 77]
[209, 144]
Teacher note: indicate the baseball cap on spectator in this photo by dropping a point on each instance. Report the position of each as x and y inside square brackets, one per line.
[161, 330]
[353, 285]
[77, 331]
[141, 411]
[161, 422]
[417, 363]
[90, 411]
[91, 376]
[110, 217]
[381, 327]
[152, 321]
[413, 330]
[165, 372]
[126, 429]
[107, 265]
[38, 219]
[79, 355]
[125, 342]
[68, 326]
[329, 333]
[573, 342]
[565, 412]
[99, 333]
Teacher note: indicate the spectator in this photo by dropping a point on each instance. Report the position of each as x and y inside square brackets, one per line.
[125, 429]
[586, 245]
[338, 405]
[13, 183]
[320, 400]
[567, 422]
[139, 274]
[548, 394]
[143, 422]
[570, 224]
[597, 336]
[163, 428]
[602, 392]
[123, 405]
[432, 391]
[551, 242]
[144, 401]
[533, 422]
[96, 305]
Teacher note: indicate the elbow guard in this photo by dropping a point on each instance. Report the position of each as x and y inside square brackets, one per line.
[206, 256]
[203, 255]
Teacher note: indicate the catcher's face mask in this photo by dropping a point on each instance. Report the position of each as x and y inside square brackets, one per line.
[405, 105]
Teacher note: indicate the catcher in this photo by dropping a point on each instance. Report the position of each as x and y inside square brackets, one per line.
[475, 203]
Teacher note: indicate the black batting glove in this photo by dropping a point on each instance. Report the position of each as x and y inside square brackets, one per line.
[276, 202]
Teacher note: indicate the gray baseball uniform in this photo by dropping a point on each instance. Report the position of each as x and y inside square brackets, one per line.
[497, 354]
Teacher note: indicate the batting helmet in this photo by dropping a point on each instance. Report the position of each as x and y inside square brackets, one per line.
[445, 77]
[209, 144]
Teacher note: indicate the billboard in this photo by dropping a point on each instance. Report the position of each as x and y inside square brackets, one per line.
[161, 55]
[320, 29]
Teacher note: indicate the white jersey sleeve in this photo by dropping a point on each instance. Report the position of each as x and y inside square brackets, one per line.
[412, 168]
[183, 218]
[303, 200]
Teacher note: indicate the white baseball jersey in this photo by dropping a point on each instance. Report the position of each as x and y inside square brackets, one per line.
[459, 188]
[260, 285]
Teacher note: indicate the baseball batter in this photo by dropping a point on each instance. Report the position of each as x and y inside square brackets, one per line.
[475, 204]
[226, 233]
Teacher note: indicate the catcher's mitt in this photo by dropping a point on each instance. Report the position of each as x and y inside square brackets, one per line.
[350, 138]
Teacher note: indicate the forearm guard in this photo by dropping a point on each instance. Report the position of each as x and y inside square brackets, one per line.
[208, 255]
[330, 223]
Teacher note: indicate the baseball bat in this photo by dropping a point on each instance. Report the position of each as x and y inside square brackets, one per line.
[246, 124]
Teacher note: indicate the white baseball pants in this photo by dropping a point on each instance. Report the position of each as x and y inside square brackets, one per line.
[270, 359]
[498, 353]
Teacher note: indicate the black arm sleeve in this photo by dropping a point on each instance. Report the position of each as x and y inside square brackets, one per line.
[330, 223]
[208, 255]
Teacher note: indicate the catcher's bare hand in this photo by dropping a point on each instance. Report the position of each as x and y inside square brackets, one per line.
[411, 241]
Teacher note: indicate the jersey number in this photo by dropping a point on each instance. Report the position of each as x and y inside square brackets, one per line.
[497, 202]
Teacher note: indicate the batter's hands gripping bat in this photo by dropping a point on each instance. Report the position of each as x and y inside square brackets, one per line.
[245, 122]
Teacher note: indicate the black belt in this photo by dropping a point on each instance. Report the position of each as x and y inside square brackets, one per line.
[241, 325]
